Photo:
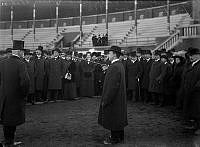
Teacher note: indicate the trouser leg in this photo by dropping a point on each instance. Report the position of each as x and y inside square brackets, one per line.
[9, 134]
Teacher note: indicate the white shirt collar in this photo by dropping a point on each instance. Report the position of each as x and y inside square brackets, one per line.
[195, 62]
[133, 61]
[16, 55]
[115, 60]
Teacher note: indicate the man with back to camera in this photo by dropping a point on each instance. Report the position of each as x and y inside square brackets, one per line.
[113, 107]
[14, 86]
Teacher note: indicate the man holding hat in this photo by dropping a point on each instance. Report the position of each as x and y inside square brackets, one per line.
[191, 88]
[14, 86]
[113, 106]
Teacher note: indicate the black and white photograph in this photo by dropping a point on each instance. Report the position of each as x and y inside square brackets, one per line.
[98, 73]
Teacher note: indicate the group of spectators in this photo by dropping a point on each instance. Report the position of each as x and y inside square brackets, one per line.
[162, 79]
[100, 40]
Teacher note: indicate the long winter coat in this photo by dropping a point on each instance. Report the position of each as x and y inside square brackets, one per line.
[40, 69]
[31, 73]
[132, 74]
[69, 86]
[145, 79]
[191, 89]
[113, 107]
[155, 77]
[14, 87]
[55, 73]
[86, 78]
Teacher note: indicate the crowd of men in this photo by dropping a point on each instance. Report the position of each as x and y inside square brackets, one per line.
[100, 40]
[160, 79]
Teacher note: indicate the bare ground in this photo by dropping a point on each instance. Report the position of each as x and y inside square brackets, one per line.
[74, 123]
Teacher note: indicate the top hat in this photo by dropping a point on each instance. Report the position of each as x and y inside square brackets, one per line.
[116, 49]
[18, 45]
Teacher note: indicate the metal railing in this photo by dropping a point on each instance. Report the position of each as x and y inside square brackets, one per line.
[169, 43]
[190, 31]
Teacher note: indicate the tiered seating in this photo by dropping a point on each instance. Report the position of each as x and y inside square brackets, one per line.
[43, 36]
[116, 31]
[5, 39]
[149, 29]
[122, 33]
[119, 33]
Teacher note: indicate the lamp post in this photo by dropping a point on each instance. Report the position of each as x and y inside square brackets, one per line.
[11, 22]
[168, 16]
[81, 31]
[136, 17]
[34, 22]
[107, 17]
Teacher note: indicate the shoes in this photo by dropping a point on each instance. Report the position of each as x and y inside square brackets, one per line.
[110, 141]
[15, 144]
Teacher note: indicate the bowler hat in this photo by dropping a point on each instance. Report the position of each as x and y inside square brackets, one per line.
[148, 52]
[193, 51]
[132, 54]
[9, 50]
[164, 56]
[40, 48]
[157, 52]
[57, 50]
[116, 49]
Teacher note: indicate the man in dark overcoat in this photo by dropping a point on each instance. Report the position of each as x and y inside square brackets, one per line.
[132, 69]
[69, 82]
[29, 61]
[40, 69]
[86, 69]
[154, 80]
[55, 74]
[191, 88]
[113, 106]
[14, 87]
[146, 96]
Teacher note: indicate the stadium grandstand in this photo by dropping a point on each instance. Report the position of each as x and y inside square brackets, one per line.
[152, 24]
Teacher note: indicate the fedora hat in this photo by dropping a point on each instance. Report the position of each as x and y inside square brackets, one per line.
[116, 49]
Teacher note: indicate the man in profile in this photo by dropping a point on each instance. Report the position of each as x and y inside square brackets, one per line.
[113, 107]
[14, 86]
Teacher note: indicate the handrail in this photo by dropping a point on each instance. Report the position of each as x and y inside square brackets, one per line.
[166, 44]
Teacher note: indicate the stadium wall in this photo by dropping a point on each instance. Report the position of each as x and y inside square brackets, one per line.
[184, 7]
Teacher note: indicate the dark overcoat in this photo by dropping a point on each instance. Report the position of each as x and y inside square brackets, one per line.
[132, 74]
[86, 78]
[55, 73]
[31, 73]
[145, 79]
[14, 87]
[69, 86]
[40, 69]
[155, 77]
[113, 107]
[191, 89]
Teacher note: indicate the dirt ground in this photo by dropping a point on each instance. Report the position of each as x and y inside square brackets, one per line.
[74, 123]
